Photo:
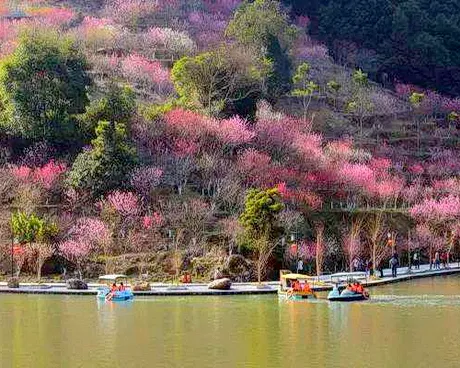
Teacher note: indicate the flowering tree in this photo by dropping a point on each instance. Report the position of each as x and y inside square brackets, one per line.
[126, 204]
[145, 237]
[87, 237]
[131, 13]
[146, 73]
[351, 242]
[55, 17]
[97, 32]
[46, 176]
[168, 42]
[441, 217]
[254, 167]
[145, 179]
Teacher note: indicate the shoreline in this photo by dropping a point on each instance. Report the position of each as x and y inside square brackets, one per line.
[201, 289]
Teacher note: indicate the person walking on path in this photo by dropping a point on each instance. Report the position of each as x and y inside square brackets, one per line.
[300, 266]
[416, 260]
[356, 265]
[394, 262]
[437, 261]
[369, 267]
[444, 259]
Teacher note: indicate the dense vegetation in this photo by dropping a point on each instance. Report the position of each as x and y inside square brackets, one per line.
[152, 138]
[416, 41]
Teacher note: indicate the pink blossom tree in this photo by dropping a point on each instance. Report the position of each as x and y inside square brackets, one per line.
[145, 179]
[147, 73]
[126, 204]
[87, 237]
[441, 217]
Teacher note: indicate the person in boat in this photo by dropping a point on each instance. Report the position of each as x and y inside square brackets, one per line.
[359, 288]
[114, 287]
[121, 287]
[296, 286]
[306, 288]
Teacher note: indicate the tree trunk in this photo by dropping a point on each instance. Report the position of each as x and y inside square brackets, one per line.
[319, 248]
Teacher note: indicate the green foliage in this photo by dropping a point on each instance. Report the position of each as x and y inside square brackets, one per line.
[153, 111]
[453, 117]
[107, 164]
[118, 105]
[220, 82]
[255, 23]
[333, 86]
[263, 27]
[42, 86]
[360, 78]
[259, 218]
[31, 228]
[304, 87]
[416, 40]
[416, 99]
[279, 80]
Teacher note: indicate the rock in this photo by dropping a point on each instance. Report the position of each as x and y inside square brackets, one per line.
[220, 284]
[142, 286]
[76, 284]
[239, 268]
[13, 283]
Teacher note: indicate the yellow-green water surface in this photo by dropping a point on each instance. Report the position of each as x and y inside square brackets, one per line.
[414, 324]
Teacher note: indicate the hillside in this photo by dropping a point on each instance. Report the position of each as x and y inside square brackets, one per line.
[412, 40]
[154, 138]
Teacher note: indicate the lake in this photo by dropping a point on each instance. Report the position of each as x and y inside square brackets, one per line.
[412, 324]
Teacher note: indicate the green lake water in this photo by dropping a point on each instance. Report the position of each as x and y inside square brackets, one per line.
[413, 324]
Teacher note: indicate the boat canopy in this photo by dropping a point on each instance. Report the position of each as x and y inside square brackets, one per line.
[112, 277]
[297, 276]
[344, 276]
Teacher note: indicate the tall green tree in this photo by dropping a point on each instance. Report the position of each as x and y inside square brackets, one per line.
[106, 166]
[220, 82]
[37, 233]
[263, 26]
[261, 225]
[118, 105]
[42, 86]
[304, 87]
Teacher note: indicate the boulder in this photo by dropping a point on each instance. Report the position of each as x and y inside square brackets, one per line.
[239, 268]
[220, 284]
[142, 286]
[76, 284]
[13, 283]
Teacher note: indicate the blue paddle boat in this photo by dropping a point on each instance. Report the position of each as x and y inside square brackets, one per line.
[346, 295]
[105, 292]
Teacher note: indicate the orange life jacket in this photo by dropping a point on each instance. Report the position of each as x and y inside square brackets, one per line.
[296, 286]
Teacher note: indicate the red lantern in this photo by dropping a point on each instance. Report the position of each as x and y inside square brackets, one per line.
[293, 248]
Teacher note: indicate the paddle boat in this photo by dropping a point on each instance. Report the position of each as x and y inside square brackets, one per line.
[347, 295]
[294, 286]
[105, 293]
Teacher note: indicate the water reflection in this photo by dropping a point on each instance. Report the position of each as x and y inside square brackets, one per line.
[410, 325]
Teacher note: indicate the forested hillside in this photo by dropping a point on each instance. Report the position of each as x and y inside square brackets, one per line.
[157, 137]
[416, 41]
